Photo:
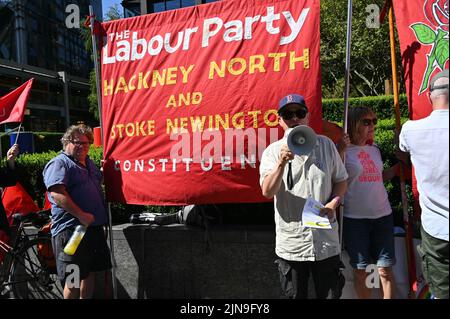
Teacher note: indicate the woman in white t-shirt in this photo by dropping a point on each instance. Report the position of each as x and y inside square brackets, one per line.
[368, 221]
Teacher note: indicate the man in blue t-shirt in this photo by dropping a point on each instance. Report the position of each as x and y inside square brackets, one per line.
[74, 185]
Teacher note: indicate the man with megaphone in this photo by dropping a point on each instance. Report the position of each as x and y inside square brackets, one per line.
[298, 167]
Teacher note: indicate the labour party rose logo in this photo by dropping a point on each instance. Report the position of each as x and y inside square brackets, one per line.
[433, 33]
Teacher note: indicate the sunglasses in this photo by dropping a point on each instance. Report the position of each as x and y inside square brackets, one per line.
[300, 114]
[367, 122]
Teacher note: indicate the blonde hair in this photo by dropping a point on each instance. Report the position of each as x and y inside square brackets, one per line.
[355, 115]
[80, 129]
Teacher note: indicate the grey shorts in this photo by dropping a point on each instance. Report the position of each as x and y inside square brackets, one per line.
[92, 254]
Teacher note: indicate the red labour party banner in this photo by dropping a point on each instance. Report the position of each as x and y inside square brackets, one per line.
[190, 97]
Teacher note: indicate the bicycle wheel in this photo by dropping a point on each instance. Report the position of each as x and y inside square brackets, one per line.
[31, 277]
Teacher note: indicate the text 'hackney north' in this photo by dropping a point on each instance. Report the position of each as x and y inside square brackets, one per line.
[190, 97]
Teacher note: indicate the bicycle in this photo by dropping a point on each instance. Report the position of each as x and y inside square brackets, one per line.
[29, 270]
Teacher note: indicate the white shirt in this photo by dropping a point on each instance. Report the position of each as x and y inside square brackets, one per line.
[313, 176]
[428, 143]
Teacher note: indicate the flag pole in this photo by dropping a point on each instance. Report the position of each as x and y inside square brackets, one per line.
[3, 134]
[18, 132]
[347, 62]
[346, 94]
[406, 219]
[99, 103]
[97, 69]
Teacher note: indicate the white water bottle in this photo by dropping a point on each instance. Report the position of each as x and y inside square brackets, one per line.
[75, 239]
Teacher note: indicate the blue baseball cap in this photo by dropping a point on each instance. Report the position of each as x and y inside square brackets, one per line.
[291, 99]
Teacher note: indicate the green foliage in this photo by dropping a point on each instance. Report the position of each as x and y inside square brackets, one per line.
[383, 106]
[29, 170]
[385, 139]
[96, 155]
[92, 97]
[370, 63]
[31, 166]
[113, 13]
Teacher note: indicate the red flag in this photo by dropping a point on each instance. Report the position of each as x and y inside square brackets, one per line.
[47, 204]
[17, 200]
[13, 104]
[97, 25]
[331, 130]
[387, 5]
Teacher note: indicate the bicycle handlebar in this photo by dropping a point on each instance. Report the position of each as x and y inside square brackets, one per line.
[38, 219]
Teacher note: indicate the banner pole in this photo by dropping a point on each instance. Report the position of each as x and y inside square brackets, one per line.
[18, 132]
[347, 62]
[346, 93]
[406, 219]
[97, 69]
[99, 102]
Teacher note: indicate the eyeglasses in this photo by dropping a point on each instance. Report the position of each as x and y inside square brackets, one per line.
[367, 122]
[300, 114]
[79, 143]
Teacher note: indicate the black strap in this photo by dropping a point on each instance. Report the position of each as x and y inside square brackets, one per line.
[290, 180]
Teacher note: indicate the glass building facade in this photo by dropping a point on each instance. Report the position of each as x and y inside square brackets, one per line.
[136, 7]
[35, 41]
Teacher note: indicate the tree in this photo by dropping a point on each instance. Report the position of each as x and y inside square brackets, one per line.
[113, 13]
[370, 62]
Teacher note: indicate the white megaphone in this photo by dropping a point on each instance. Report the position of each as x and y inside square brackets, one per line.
[301, 140]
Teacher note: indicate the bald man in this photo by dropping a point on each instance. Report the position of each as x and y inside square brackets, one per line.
[427, 141]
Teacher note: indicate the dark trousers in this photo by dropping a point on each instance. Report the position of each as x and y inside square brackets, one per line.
[294, 277]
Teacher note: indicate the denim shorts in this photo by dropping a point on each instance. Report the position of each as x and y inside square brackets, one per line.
[370, 241]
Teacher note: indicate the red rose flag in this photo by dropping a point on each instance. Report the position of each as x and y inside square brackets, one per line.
[422, 27]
